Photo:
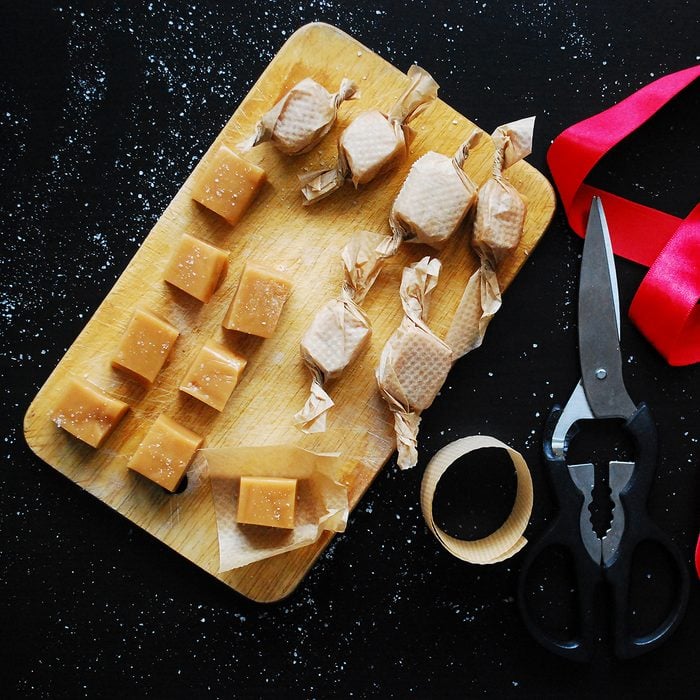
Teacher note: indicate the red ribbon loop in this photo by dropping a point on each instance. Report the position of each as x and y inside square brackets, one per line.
[665, 308]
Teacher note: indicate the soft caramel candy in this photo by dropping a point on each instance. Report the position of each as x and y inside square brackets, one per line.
[258, 302]
[228, 184]
[145, 346]
[87, 412]
[435, 197]
[371, 144]
[213, 375]
[165, 453]
[196, 267]
[267, 501]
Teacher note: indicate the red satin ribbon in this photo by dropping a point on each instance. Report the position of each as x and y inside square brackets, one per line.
[665, 307]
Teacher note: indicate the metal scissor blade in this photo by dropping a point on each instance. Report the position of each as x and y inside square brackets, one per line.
[599, 323]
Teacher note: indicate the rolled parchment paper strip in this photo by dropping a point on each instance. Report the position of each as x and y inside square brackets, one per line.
[498, 228]
[321, 504]
[301, 118]
[508, 539]
[373, 142]
[414, 362]
[340, 330]
[435, 197]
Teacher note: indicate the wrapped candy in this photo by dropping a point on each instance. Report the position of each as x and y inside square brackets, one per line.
[373, 142]
[498, 227]
[301, 118]
[414, 362]
[435, 197]
[340, 330]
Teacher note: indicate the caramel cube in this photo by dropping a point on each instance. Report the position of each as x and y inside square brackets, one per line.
[196, 267]
[213, 375]
[87, 412]
[258, 301]
[267, 501]
[228, 184]
[165, 453]
[145, 346]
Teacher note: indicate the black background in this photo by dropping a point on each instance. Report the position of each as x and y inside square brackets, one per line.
[105, 108]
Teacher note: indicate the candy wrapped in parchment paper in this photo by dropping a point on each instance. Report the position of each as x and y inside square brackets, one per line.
[434, 199]
[301, 118]
[373, 142]
[498, 227]
[321, 501]
[414, 362]
[340, 330]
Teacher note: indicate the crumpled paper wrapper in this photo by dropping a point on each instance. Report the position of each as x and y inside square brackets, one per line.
[498, 227]
[340, 330]
[300, 120]
[434, 198]
[414, 362]
[322, 500]
[373, 142]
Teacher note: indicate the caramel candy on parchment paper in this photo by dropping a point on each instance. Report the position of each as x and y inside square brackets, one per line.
[414, 362]
[373, 142]
[301, 118]
[498, 227]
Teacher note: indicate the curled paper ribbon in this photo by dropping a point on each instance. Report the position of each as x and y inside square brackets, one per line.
[665, 308]
[508, 539]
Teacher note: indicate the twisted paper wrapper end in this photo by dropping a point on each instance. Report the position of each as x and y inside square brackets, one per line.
[319, 184]
[312, 417]
[348, 90]
[421, 91]
[464, 149]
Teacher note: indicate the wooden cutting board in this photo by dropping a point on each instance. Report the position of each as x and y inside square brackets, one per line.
[277, 229]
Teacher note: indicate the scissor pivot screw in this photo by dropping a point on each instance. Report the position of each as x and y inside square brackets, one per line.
[601, 373]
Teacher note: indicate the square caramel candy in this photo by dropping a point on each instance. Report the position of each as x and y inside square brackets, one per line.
[196, 267]
[87, 412]
[145, 346]
[213, 375]
[371, 144]
[228, 184]
[165, 452]
[258, 301]
[268, 501]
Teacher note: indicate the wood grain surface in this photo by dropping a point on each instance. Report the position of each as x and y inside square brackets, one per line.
[308, 240]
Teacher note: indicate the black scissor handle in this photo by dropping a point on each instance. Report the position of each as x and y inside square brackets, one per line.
[563, 532]
[640, 528]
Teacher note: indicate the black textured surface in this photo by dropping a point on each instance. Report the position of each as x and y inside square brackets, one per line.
[104, 110]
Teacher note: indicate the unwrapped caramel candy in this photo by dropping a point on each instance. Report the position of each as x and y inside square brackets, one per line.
[257, 304]
[301, 118]
[87, 412]
[435, 197]
[213, 375]
[414, 362]
[196, 267]
[145, 346]
[498, 228]
[268, 501]
[373, 142]
[340, 330]
[228, 184]
[165, 452]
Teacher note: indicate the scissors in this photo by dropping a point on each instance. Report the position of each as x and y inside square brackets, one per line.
[600, 395]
